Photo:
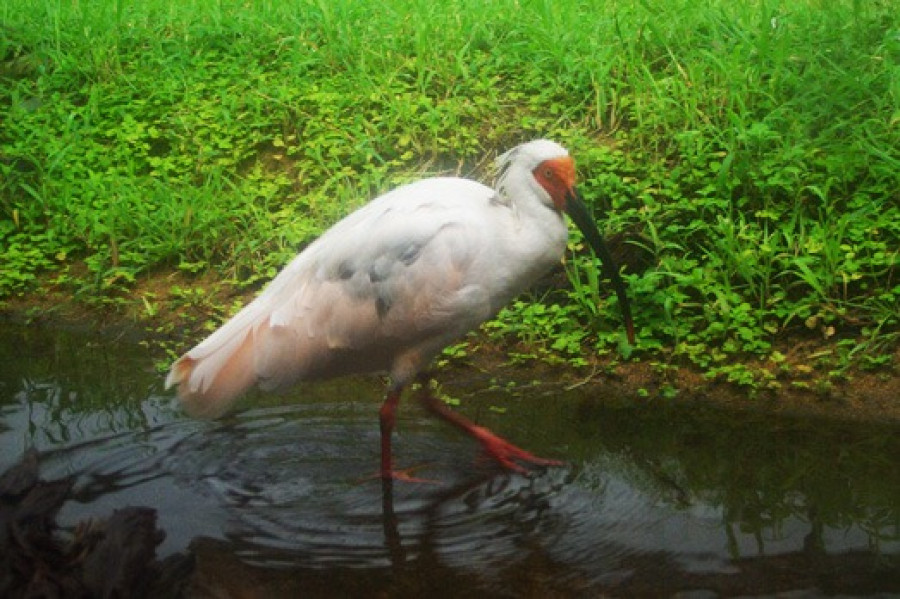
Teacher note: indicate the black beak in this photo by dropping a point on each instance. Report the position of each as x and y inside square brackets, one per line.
[579, 214]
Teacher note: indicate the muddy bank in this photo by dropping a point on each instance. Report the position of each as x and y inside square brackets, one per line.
[802, 383]
[866, 396]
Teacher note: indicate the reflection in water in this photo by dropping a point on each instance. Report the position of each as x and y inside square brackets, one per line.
[278, 498]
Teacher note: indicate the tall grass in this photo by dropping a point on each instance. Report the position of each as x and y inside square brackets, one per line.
[751, 149]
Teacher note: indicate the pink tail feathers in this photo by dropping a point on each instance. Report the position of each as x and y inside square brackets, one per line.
[209, 382]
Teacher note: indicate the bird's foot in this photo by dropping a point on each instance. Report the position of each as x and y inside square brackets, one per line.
[404, 475]
[507, 454]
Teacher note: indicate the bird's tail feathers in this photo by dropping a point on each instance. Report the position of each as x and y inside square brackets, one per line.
[209, 382]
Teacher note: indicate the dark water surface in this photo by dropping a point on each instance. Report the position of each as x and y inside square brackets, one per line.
[275, 501]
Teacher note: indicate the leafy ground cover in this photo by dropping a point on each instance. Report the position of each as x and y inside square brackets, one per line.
[745, 158]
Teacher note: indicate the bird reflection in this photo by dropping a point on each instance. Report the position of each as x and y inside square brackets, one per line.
[471, 493]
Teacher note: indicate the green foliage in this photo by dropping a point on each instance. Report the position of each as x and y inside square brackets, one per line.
[753, 149]
[550, 331]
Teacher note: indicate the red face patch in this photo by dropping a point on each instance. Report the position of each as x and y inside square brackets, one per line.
[557, 176]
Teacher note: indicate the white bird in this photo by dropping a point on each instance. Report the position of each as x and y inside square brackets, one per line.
[392, 284]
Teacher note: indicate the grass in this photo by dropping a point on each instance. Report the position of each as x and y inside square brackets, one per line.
[750, 151]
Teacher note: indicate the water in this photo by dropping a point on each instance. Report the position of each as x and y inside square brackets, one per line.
[277, 499]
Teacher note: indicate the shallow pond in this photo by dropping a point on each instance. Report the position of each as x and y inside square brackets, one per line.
[276, 500]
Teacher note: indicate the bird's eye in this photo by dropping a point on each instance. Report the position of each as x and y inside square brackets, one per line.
[548, 172]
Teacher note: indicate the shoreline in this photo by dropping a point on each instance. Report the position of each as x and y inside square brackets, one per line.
[797, 389]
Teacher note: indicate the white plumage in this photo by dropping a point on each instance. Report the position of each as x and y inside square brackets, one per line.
[390, 285]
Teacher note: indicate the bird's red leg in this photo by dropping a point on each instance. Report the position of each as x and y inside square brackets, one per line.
[387, 418]
[498, 448]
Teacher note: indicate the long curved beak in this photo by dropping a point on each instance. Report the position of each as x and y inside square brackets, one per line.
[582, 218]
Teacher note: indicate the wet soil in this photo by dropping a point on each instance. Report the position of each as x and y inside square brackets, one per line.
[802, 385]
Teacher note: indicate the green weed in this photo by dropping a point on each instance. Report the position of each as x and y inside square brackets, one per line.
[751, 150]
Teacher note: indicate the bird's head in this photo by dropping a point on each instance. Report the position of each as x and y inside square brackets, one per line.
[546, 167]
[552, 174]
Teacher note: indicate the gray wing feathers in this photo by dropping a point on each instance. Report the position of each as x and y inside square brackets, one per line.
[351, 295]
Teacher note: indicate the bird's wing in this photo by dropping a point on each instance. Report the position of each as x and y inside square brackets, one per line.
[390, 278]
